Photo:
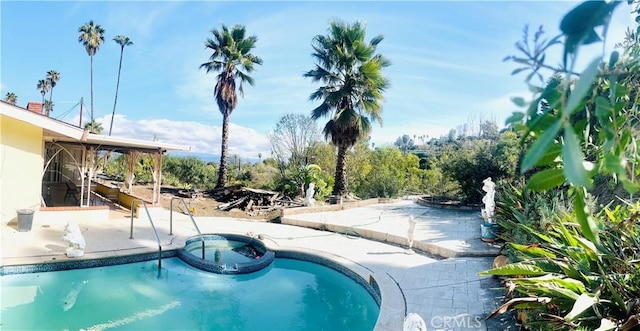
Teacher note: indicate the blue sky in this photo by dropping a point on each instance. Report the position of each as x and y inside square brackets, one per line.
[447, 62]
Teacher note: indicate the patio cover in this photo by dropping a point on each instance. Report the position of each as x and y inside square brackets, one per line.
[56, 131]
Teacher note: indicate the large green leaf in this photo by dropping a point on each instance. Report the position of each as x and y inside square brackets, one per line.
[551, 156]
[583, 86]
[587, 224]
[590, 249]
[533, 250]
[573, 159]
[554, 281]
[520, 303]
[540, 147]
[569, 238]
[515, 269]
[603, 109]
[546, 179]
[516, 117]
[585, 301]
[519, 101]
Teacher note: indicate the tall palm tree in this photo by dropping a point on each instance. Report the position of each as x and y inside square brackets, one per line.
[351, 96]
[122, 41]
[47, 106]
[93, 127]
[11, 98]
[44, 86]
[53, 77]
[91, 36]
[232, 59]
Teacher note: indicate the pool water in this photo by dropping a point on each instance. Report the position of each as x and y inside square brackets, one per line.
[287, 295]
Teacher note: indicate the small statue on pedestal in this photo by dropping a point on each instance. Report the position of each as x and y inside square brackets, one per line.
[489, 205]
[412, 227]
[76, 241]
[309, 200]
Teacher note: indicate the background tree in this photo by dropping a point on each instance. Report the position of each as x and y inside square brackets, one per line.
[43, 86]
[11, 98]
[122, 41]
[52, 77]
[351, 72]
[405, 143]
[291, 140]
[48, 107]
[91, 37]
[233, 60]
[94, 127]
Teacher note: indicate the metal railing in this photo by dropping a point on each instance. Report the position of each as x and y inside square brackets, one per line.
[152, 226]
[190, 216]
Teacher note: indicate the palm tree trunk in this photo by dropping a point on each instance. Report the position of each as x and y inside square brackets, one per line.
[50, 102]
[42, 102]
[222, 172]
[340, 186]
[91, 87]
[117, 86]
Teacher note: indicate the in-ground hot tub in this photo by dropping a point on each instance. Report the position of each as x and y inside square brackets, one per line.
[226, 253]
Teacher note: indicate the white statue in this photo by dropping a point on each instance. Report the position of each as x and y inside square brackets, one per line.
[488, 199]
[412, 227]
[76, 241]
[413, 322]
[309, 200]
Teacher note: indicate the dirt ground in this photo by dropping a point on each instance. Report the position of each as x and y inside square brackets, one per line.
[200, 206]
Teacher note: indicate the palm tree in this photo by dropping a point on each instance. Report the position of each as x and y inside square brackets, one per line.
[232, 59]
[53, 77]
[122, 41]
[91, 36]
[11, 98]
[351, 72]
[93, 127]
[44, 86]
[48, 106]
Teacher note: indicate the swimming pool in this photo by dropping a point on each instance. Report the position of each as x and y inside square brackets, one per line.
[287, 295]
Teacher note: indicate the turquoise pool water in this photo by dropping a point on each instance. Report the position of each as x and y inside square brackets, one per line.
[287, 295]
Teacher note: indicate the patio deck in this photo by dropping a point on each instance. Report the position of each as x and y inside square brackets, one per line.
[445, 289]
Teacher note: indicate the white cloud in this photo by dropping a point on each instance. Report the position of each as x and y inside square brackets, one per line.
[201, 138]
[140, 19]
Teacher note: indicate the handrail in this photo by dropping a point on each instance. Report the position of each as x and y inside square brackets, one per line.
[190, 216]
[152, 226]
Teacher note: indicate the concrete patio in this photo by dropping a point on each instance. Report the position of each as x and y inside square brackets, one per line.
[440, 282]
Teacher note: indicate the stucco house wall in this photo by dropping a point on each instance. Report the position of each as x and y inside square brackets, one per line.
[21, 164]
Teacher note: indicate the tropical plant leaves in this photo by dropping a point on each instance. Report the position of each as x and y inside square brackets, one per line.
[514, 269]
[533, 250]
[519, 101]
[583, 86]
[585, 301]
[541, 145]
[520, 303]
[603, 109]
[546, 179]
[587, 224]
[515, 117]
[573, 159]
